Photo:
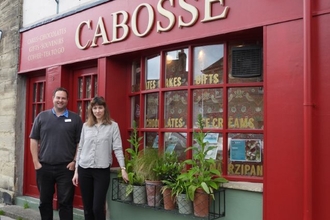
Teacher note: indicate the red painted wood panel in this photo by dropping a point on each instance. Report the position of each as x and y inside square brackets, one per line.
[283, 179]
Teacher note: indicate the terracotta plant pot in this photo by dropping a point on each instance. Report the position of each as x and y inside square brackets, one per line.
[169, 200]
[154, 196]
[201, 203]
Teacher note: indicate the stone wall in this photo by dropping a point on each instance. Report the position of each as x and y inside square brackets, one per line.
[12, 101]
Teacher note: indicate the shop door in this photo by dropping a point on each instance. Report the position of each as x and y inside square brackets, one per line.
[35, 104]
[85, 88]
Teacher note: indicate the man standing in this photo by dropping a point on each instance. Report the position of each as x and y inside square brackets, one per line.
[53, 143]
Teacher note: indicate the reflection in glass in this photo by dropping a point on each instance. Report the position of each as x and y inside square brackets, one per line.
[176, 142]
[151, 140]
[152, 72]
[208, 64]
[208, 103]
[86, 110]
[214, 147]
[246, 63]
[136, 74]
[34, 112]
[79, 109]
[88, 87]
[35, 92]
[135, 103]
[176, 69]
[152, 116]
[95, 85]
[245, 108]
[80, 88]
[245, 154]
[176, 109]
[41, 92]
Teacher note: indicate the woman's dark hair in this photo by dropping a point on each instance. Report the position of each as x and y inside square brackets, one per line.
[91, 120]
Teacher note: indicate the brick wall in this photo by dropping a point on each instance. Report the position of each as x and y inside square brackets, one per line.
[11, 102]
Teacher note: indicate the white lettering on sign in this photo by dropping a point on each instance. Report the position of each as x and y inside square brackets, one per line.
[121, 26]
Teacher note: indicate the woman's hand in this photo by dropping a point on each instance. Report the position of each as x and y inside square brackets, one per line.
[124, 175]
[75, 178]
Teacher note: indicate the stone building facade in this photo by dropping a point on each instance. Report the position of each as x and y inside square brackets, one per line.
[12, 102]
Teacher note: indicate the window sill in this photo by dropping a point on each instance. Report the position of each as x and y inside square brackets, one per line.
[246, 186]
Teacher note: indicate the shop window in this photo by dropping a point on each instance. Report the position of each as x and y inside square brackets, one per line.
[86, 90]
[152, 72]
[182, 83]
[208, 103]
[38, 103]
[176, 107]
[176, 68]
[245, 108]
[135, 110]
[151, 114]
[208, 64]
[136, 76]
[245, 154]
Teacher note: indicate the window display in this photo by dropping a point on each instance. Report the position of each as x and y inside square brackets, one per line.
[183, 83]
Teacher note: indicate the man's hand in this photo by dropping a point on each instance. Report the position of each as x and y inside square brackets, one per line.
[71, 165]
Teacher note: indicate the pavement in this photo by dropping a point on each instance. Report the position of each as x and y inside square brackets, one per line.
[14, 212]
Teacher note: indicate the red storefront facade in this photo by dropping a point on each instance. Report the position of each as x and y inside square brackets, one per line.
[110, 50]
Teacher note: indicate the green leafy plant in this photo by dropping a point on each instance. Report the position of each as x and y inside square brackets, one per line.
[131, 162]
[202, 173]
[2, 212]
[169, 170]
[147, 164]
[26, 205]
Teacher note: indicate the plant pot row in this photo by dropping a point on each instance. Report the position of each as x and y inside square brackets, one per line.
[152, 195]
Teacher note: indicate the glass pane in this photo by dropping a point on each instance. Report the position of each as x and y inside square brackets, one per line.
[95, 85]
[246, 61]
[88, 87]
[208, 64]
[152, 73]
[34, 112]
[41, 92]
[152, 116]
[80, 88]
[208, 103]
[151, 140]
[40, 106]
[79, 109]
[136, 74]
[214, 148]
[176, 142]
[135, 103]
[245, 108]
[35, 92]
[176, 109]
[176, 68]
[86, 110]
[245, 157]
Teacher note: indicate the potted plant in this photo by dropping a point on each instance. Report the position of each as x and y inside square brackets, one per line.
[179, 192]
[168, 171]
[145, 166]
[136, 180]
[202, 177]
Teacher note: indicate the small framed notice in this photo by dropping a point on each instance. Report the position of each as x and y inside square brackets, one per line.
[247, 150]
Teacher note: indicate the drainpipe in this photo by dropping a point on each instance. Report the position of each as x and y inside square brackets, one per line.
[58, 6]
[307, 194]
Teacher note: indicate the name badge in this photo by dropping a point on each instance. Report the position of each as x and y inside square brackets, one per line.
[67, 120]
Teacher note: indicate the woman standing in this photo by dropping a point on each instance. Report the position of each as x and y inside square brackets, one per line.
[99, 137]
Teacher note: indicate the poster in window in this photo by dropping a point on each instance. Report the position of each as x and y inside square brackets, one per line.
[247, 150]
[211, 140]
